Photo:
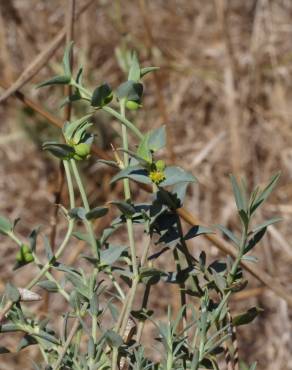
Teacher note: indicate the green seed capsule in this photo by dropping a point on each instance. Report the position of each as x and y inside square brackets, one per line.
[82, 151]
[24, 254]
[132, 105]
[28, 257]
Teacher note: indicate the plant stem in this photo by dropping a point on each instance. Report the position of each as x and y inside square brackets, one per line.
[82, 191]
[128, 302]
[124, 121]
[48, 265]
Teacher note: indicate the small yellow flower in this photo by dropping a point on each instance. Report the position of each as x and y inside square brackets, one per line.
[157, 177]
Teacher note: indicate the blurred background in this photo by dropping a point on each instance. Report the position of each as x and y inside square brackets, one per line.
[224, 91]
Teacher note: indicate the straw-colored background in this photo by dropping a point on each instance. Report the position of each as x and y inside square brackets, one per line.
[224, 90]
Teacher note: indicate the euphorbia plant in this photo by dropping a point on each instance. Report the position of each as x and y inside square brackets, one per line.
[203, 329]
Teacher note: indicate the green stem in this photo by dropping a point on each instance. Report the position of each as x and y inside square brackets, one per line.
[234, 268]
[82, 191]
[128, 302]
[124, 121]
[59, 252]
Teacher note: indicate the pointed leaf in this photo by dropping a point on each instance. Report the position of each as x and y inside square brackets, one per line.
[67, 59]
[5, 225]
[135, 173]
[257, 237]
[266, 224]
[96, 212]
[111, 255]
[146, 70]
[157, 139]
[134, 72]
[126, 208]
[101, 96]
[247, 317]
[229, 234]
[265, 193]
[196, 231]
[57, 80]
[239, 199]
[175, 175]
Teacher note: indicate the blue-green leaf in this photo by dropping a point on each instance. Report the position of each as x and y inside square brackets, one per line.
[146, 70]
[111, 255]
[239, 196]
[5, 225]
[229, 234]
[175, 175]
[196, 231]
[266, 223]
[134, 71]
[157, 139]
[62, 151]
[101, 96]
[67, 59]
[247, 317]
[96, 212]
[57, 80]
[135, 173]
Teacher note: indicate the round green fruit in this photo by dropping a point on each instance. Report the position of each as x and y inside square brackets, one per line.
[132, 105]
[82, 151]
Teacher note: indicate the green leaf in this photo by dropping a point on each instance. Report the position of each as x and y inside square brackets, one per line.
[157, 139]
[239, 197]
[134, 72]
[113, 339]
[175, 175]
[111, 255]
[62, 151]
[82, 236]
[196, 231]
[5, 225]
[266, 224]
[67, 59]
[57, 80]
[108, 163]
[256, 238]
[48, 249]
[8, 328]
[146, 70]
[48, 285]
[229, 234]
[47, 337]
[76, 130]
[136, 173]
[126, 208]
[143, 150]
[12, 292]
[252, 259]
[101, 96]
[78, 213]
[253, 366]
[247, 317]
[130, 90]
[96, 212]
[26, 341]
[264, 193]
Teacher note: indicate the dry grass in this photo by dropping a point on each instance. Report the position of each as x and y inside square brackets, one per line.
[224, 90]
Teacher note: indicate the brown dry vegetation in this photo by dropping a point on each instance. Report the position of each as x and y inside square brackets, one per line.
[224, 91]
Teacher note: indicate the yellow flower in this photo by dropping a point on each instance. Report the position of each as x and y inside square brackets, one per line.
[157, 177]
